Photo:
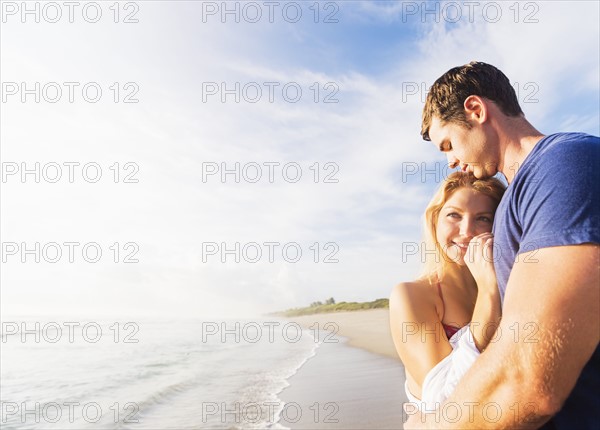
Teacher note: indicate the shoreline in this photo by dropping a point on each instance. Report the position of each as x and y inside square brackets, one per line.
[355, 380]
[366, 329]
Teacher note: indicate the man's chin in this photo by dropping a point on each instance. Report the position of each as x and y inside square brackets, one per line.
[484, 171]
[480, 174]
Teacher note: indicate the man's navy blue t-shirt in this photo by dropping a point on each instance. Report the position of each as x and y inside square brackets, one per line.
[554, 200]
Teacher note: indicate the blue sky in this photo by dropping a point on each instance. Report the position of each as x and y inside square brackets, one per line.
[371, 56]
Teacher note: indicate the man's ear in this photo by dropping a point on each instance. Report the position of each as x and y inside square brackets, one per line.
[475, 109]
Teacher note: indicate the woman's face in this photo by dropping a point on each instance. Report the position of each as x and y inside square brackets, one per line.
[466, 214]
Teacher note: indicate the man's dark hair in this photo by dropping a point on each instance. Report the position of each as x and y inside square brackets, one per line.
[447, 95]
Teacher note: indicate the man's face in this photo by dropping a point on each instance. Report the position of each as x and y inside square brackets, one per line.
[469, 149]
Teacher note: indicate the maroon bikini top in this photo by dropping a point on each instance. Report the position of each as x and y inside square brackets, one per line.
[449, 329]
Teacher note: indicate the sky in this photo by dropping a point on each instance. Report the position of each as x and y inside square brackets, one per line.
[143, 114]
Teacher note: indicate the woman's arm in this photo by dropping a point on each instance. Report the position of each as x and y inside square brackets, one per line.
[416, 330]
[488, 311]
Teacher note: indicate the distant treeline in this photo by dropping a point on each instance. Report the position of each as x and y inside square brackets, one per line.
[331, 306]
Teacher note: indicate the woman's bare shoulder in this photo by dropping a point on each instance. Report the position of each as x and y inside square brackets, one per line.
[419, 291]
[415, 301]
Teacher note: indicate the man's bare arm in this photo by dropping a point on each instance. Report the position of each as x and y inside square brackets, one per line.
[549, 330]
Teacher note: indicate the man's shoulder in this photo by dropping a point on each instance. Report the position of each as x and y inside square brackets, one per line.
[572, 137]
[567, 143]
[562, 155]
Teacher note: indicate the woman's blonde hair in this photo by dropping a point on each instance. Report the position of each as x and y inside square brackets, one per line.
[435, 259]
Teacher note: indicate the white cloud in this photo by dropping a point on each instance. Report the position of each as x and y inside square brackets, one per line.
[369, 133]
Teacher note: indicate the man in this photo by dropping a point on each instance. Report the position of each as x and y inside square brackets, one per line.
[544, 368]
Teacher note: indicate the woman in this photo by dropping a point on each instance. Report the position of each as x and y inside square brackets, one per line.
[443, 320]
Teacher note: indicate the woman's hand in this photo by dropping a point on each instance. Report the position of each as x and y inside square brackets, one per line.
[487, 313]
[480, 261]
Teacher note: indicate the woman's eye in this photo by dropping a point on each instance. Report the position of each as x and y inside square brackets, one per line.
[453, 215]
[485, 219]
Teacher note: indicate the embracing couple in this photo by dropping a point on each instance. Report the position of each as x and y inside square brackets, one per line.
[502, 328]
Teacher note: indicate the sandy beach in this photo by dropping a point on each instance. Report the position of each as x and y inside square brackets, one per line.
[355, 380]
[369, 329]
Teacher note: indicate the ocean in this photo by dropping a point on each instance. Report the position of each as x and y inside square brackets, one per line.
[148, 374]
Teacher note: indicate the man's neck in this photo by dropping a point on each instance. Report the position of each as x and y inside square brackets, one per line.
[518, 139]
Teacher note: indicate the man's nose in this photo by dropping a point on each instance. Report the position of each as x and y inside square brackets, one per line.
[452, 160]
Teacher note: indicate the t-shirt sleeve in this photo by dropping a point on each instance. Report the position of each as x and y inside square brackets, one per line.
[560, 196]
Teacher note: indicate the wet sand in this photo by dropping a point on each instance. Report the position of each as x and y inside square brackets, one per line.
[354, 381]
